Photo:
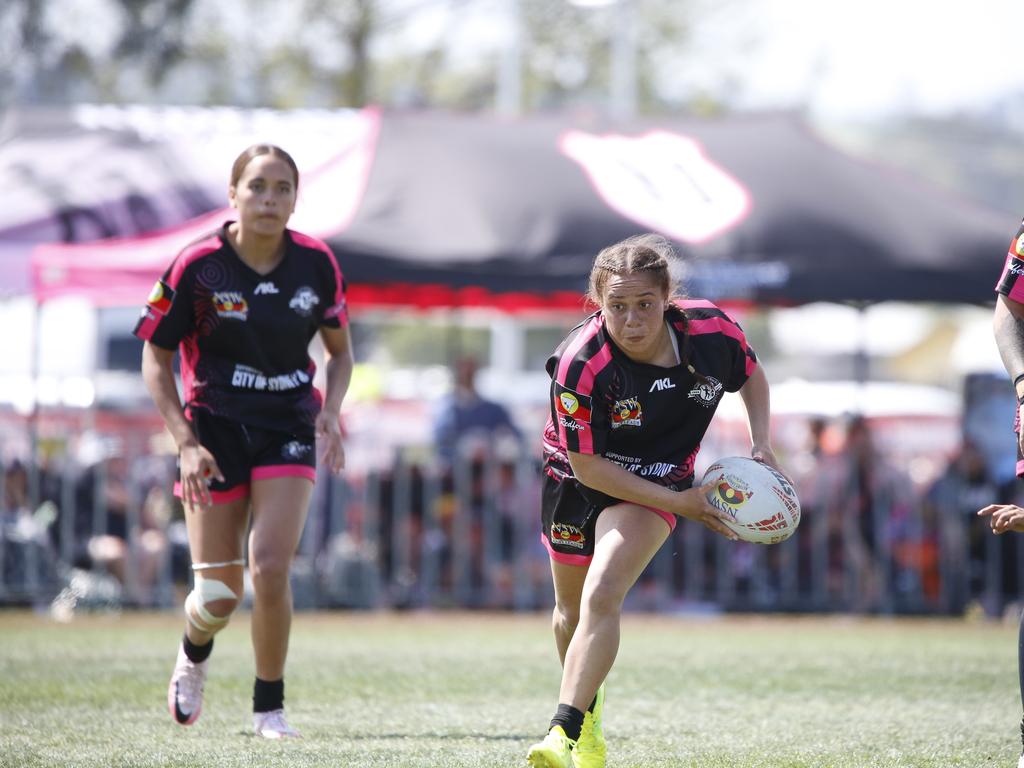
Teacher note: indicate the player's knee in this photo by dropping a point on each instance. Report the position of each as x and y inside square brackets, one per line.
[566, 616]
[269, 572]
[603, 600]
[209, 606]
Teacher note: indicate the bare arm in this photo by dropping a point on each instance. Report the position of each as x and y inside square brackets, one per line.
[158, 374]
[338, 372]
[608, 477]
[197, 464]
[757, 400]
[1008, 327]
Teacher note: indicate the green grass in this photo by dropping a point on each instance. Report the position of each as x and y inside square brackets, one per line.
[475, 690]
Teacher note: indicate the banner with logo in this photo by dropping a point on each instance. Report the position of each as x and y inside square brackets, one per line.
[435, 209]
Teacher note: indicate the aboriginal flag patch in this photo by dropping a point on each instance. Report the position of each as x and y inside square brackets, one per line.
[572, 404]
[161, 297]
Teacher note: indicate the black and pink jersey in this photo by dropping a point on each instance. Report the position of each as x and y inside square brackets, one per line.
[1010, 284]
[244, 337]
[648, 419]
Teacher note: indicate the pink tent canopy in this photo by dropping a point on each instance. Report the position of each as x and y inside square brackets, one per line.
[121, 271]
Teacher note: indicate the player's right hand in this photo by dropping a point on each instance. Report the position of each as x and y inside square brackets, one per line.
[198, 468]
[1004, 517]
[694, 504]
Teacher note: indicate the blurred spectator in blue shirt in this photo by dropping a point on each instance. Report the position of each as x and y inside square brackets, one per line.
[466, 419]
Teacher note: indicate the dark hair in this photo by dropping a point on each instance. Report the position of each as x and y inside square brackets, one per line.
[640, 253]
[255, 151]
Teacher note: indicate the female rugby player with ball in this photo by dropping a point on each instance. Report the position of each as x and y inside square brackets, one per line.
[633, 390]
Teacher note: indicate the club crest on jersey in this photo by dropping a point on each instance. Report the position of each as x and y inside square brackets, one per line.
[569, 535]
[627, 413]
[304, 300]
[231, 304]
[706, 392]
[1018, 247]
[160, 298]
[572, 404]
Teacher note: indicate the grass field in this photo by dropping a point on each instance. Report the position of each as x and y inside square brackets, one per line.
[476, 690]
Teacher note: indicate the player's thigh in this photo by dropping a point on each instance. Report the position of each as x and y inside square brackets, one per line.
[568, 581]
[279, 507]
[627, 538]
[217, 533]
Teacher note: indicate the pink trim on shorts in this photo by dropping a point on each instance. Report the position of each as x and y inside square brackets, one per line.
[668, 517]
[284, 470]
[561, 557]
[234, 493]
[1020, 468]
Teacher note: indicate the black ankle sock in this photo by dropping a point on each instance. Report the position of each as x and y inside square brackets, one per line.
[197, 654]
[593, 704]
[571, 720]
[267, 695]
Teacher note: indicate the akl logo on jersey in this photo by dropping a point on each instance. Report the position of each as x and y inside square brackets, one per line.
[231, 304]
[572, 404]
[569, 535]
[267, 287]
[627, 413]
[160, 298]
[706, 392]
[662, 384]
[304, 300]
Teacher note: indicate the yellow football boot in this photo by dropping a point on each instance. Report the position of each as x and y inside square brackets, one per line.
[590, 751]
[554, 752]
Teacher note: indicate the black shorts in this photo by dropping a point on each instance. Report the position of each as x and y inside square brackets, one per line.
[569, 513]
[245, 453]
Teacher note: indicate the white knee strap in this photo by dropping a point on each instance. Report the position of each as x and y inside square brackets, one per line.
[207, 591]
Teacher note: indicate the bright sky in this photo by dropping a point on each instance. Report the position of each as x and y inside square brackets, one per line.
[853, 60]
[847, 60]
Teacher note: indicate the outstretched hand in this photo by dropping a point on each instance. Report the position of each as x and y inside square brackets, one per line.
[1004, 517]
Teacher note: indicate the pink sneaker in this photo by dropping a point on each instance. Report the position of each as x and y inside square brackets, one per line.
[272, 725]
[185, 693]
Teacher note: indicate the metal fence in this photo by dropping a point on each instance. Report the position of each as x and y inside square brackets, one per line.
[109, 536]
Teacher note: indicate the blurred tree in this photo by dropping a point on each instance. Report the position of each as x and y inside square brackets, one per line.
[329, 53]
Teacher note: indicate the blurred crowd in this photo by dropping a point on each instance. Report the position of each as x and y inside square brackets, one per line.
[456, 524]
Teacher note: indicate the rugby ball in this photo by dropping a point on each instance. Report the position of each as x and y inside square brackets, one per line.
[759, 503]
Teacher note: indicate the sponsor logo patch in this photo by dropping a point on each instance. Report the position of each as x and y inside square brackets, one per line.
[572, 404]
[231, 304]
[160, 298]
[627, 413]
[568, 535]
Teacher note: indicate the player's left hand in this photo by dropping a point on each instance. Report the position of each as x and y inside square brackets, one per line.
[765, 455]
[1004, 517]
[328, 434]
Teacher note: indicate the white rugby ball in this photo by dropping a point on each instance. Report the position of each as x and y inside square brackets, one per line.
[759, 503]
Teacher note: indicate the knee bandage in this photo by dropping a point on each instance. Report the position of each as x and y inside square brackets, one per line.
[207, 591]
